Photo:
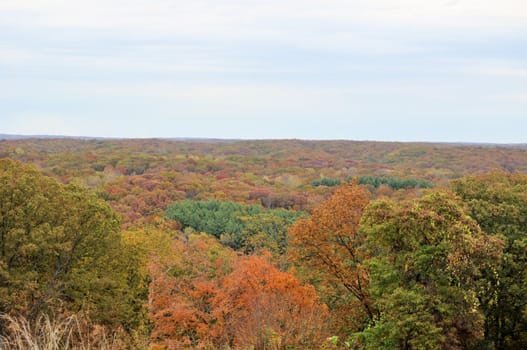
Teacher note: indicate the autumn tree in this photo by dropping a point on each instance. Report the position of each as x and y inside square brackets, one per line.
[60, 249]
[184, 284]
[207, 296]
[428, 264]
[328, 242]
[498, 202]
[270, 309]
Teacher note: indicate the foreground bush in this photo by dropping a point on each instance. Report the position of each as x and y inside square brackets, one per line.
[46, 334]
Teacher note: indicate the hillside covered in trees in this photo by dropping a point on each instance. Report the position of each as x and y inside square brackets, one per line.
[278, 244]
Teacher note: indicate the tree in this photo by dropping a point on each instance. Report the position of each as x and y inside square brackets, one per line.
[59, 249]
[206, 296]
[236, 224]
[326, 181]
[270, 309]
[427, 267]
[393, 182]
[184, 284]
[327, 242]
[498, 202]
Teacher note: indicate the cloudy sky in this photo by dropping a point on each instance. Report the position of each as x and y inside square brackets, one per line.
[407, 70]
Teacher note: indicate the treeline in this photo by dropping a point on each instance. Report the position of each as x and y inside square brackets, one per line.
[326, 181]
[393, 182]
[376, 181]
[140, 178]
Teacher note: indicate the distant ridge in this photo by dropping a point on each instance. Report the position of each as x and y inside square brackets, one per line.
[227, 140]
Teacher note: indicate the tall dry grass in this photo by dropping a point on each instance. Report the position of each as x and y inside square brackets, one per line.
[49, 334]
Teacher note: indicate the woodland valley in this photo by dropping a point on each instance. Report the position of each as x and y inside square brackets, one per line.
[270, 244]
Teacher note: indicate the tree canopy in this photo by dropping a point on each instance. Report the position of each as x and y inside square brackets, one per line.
[498, 202]
[239, 226]
[427, 269]
[337, 244]
[328, 242]
[60, 248]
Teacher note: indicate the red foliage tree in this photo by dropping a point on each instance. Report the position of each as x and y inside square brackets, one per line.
[206, 296]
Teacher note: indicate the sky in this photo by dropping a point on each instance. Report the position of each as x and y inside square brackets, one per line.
[391, 70]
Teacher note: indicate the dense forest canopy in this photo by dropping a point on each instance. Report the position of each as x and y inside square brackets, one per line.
[140, 178]
[282, 244]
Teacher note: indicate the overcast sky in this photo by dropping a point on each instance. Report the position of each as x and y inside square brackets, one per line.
[406, 70]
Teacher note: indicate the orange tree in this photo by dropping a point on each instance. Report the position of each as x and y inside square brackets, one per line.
[205, 295]
[327, 244]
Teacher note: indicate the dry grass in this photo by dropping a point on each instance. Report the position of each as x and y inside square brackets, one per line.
[46, 334]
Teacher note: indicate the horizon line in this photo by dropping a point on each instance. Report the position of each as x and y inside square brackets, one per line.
[19, 136]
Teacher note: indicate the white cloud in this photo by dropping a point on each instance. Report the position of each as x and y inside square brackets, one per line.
[193, 62]
[506, 69]
[325, 26]
[375, 27]
[325, 58]
[245, 93]
[35, 123]
[513, 97]
[271, 19]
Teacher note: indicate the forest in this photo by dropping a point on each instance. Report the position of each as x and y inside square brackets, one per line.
[265, 245]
